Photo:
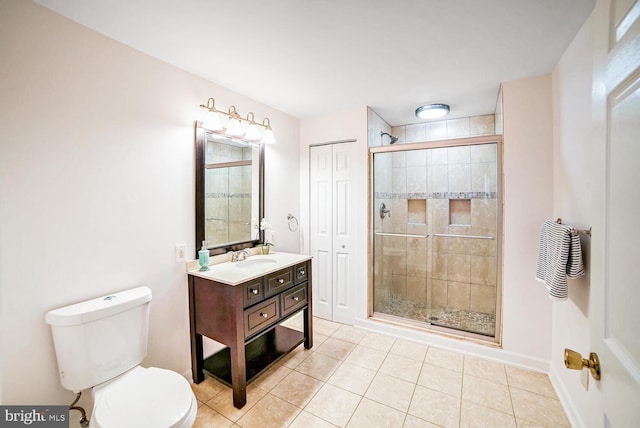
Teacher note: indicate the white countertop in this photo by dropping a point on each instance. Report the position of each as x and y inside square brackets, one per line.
[234, 273]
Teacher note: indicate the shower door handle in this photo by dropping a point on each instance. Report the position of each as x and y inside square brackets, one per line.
[402, 235]
[384, 211]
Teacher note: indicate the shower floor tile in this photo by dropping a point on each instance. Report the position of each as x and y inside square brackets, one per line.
[459, 319]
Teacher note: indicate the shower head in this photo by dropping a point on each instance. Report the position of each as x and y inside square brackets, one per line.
[391, 137]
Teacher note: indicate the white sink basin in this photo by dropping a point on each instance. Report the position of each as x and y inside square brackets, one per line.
[256, 263]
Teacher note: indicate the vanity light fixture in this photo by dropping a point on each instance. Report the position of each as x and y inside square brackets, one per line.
[267, 135]
[252, 134]
[432, 111]
[211, 121]
[233, 126]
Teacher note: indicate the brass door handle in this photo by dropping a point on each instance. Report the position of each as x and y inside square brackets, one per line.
[573, 360]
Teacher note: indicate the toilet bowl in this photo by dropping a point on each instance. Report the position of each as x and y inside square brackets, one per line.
[144, 397]
[100, 344]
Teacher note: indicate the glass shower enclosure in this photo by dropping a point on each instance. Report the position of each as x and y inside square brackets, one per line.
[436, 235]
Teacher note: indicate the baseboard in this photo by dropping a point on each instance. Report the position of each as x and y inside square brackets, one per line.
[565, 399]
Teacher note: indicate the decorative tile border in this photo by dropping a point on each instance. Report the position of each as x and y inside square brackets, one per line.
[437, 195]
[227, 195]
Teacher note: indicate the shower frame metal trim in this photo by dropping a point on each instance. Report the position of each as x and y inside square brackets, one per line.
[466, 141]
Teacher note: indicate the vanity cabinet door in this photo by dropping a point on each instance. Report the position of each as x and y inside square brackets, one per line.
[261, 316]
[293, 299]
[279, 281]
[252, 292]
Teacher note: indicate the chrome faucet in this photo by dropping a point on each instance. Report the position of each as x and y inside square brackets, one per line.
[239, 255]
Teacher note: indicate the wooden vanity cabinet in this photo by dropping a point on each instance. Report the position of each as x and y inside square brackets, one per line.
[246, 318]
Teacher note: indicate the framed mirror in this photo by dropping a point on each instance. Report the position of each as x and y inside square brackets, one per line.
[229, 191]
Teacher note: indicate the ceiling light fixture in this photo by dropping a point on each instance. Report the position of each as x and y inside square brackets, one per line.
[211, 120]
[432, 111]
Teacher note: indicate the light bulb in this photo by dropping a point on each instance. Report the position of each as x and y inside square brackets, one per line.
[267, 137]
[432, 111]
[233, 128]
[212, 122]
[252, 133]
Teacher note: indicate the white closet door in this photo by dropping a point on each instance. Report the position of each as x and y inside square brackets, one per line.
[343, 228]
[321, 230]
[332, 227]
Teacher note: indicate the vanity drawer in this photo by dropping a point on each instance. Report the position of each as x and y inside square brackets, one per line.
[301, 272]
[293, 299]
[252, 292]
[279, 281]
[261, 316]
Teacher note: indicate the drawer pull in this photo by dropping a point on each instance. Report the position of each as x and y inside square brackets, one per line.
[302, 272]
[281, 281]
[255, 291]
[296, 298]
[263, 315]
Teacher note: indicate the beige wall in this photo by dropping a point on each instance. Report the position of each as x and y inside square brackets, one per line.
[340, 126]
[528, 202]
[97, 184]
[572, 150]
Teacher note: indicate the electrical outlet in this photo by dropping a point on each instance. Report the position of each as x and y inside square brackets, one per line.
[584, 379]
[181, 253]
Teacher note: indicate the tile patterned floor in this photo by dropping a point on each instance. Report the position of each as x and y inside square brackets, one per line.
[354, 378]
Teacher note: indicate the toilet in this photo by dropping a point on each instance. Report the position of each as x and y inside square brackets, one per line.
[100, 344]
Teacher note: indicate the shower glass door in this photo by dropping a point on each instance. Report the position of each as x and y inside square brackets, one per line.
[436, 241]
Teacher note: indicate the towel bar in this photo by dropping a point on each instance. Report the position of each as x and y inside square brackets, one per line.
[576, 231]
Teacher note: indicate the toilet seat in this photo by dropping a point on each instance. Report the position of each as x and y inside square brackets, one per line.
[143, 397]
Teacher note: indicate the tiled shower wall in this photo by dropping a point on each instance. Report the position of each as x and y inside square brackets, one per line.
[227, 195]
[437, 191]
[445, 129]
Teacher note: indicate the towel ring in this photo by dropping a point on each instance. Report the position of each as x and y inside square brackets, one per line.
[293, 222]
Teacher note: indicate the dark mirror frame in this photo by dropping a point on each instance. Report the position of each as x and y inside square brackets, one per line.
[201, 138]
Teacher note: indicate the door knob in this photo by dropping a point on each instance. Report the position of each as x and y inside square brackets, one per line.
[573, 360]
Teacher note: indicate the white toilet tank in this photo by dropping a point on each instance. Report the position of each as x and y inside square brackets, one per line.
[101, 338]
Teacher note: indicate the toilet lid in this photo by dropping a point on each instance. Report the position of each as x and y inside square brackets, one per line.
[150, 397]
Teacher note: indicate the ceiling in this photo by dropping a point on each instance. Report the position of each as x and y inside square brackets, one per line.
[314, 57]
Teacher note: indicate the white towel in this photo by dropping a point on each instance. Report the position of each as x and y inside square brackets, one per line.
[560, 255]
